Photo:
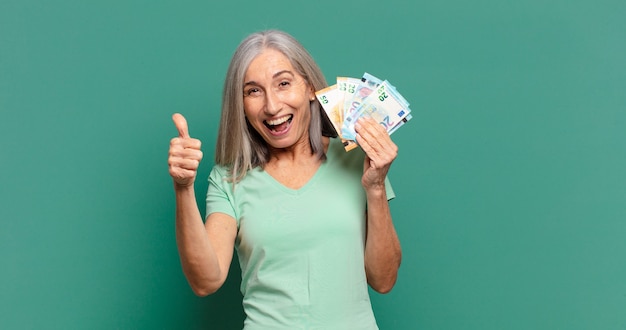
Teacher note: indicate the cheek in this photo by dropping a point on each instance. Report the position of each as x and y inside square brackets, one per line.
[298, 100]
[305, 114]
[249, 108]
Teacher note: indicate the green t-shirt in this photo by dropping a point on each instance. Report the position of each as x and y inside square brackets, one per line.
[301, 251]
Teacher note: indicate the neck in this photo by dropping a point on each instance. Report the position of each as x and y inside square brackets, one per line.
[298, 154]
[293, 167]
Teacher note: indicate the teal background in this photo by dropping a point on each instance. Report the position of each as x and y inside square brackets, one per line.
[511, 177]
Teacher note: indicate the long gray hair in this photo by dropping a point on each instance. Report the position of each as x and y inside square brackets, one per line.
[239, 146]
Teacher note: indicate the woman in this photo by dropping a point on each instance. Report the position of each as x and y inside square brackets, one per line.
[310, 222]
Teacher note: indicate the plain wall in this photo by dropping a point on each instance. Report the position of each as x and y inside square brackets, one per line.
[510, 181]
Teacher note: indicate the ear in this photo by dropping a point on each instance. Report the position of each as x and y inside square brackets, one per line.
[311, 94]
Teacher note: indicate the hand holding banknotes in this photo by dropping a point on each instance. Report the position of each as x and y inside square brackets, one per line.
[380, 152]
[352, 98]
[184, 155]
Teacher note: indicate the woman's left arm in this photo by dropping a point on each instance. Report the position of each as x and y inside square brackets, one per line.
[382, 247]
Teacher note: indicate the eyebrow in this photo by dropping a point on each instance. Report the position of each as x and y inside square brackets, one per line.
[277, 74]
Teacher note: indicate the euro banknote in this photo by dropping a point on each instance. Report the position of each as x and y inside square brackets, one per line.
[352, 98]
[331, 98]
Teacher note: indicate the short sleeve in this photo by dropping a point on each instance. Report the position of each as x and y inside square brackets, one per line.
[220, 194]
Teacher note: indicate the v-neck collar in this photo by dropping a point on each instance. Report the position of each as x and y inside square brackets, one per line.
[311, 182]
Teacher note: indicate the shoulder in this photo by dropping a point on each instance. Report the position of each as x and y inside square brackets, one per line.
[222, 177]
[219, 172]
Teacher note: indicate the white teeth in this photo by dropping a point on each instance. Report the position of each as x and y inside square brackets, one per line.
[278, 121]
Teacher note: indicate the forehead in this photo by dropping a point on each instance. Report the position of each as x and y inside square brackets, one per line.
[267, 63]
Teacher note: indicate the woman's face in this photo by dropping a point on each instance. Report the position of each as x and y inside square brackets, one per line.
[276, 100]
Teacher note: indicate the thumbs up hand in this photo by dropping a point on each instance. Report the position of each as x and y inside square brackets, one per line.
[184, 155]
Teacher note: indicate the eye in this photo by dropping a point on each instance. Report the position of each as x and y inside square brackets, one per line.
[284, 83]
[252, 91]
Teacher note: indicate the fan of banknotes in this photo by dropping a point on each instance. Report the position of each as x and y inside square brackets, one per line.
[352, 98]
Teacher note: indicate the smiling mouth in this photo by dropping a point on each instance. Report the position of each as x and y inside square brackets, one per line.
[279, 124]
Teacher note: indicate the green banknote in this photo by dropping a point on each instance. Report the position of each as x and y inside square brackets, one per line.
[352, 98]
[384, 105]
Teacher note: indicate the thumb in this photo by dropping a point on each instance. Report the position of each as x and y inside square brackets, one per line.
[181, 125]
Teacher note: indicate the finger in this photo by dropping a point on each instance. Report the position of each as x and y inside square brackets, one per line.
[191, 143]
[376, 142]
[185, 164]
[381, 137]
[372, 132]
[178, 154]
[185, 143]
[374, 156]
[181, 125]
[194, 154]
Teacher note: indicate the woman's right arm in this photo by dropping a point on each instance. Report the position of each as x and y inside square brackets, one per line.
[205, 249]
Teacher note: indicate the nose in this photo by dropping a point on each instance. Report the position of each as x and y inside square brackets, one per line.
[273, 103]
